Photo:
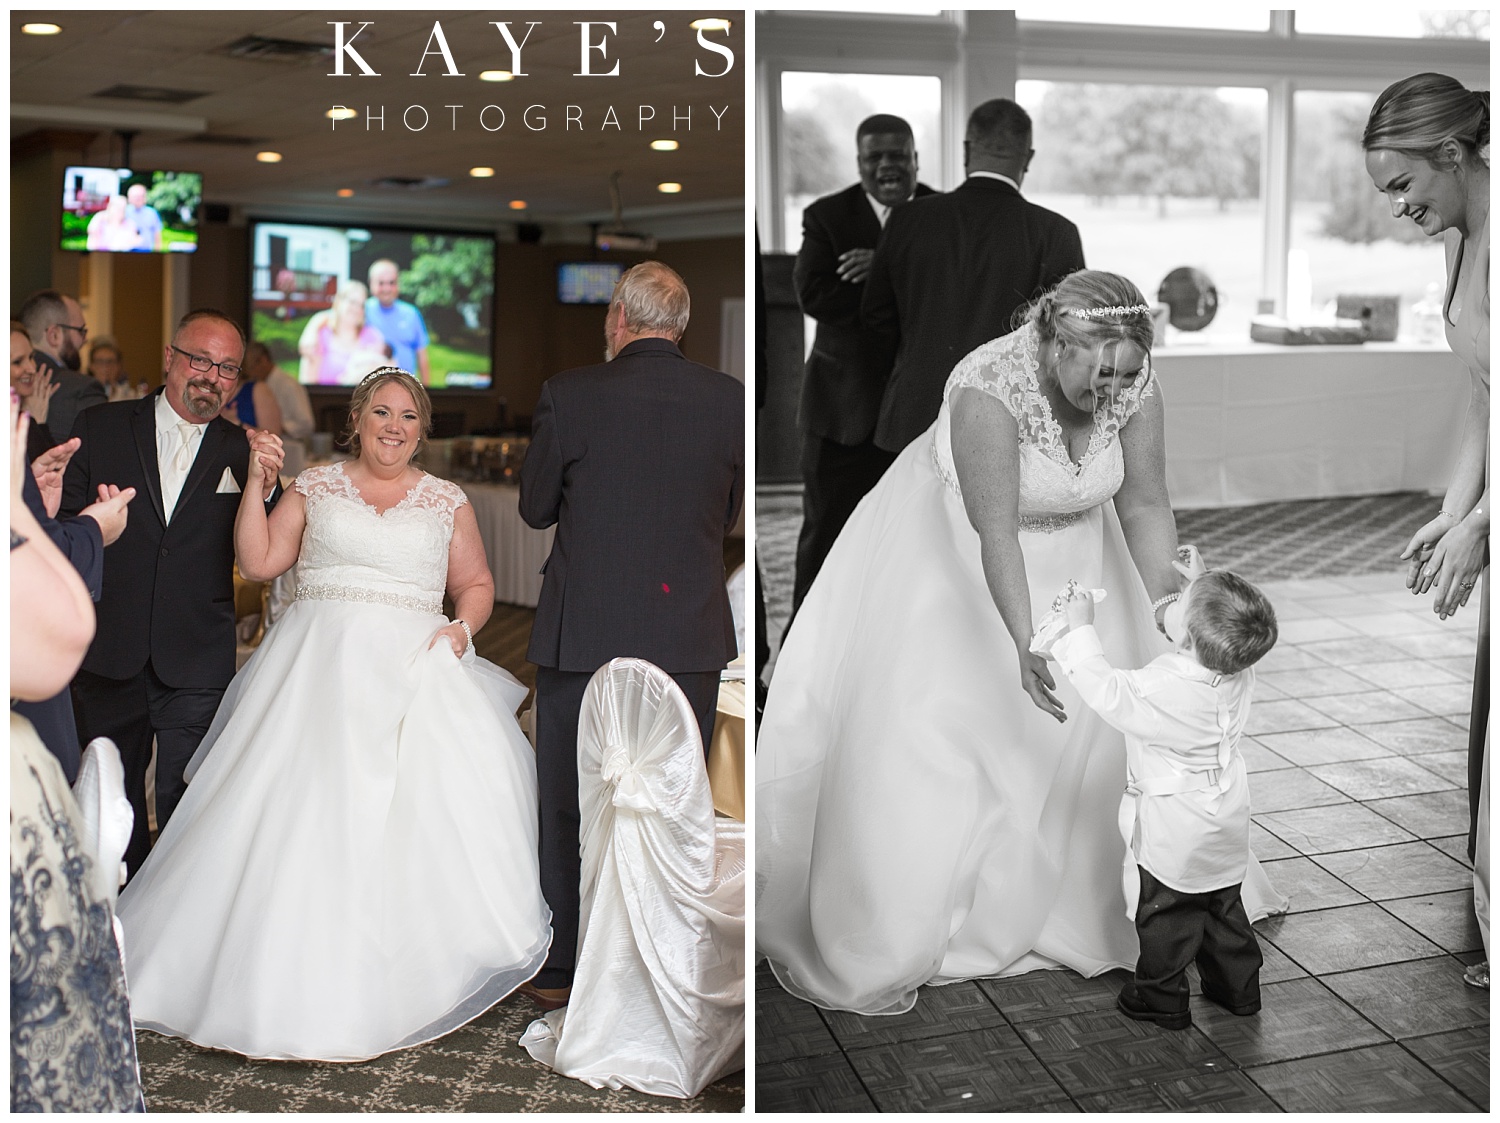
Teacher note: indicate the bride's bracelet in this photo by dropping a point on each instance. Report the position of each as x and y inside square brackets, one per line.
[1157, 604]
[464, 624]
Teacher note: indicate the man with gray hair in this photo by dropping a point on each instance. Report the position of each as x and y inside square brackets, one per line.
[640, 463]
[952, 269]
[54, 323]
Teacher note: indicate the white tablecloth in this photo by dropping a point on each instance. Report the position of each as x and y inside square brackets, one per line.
[515, 551]
[1260, 424]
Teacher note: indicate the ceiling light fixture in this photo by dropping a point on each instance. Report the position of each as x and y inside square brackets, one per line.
[268, 157]
[495, 76]
[664, 145]
[481, 173]
[346, 192]
[669, 188]
[710, 25]
[341, 113]
[40, 29]
[518, 204]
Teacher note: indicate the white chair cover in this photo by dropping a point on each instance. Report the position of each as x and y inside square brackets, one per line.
[658, 999]
[106, 817]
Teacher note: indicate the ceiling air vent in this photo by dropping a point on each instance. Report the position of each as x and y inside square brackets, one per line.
[224, 140]
[410, 183]
[262, 48]
[162, 95]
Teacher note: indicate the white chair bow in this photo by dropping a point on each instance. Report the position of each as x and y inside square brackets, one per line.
[658, 1000]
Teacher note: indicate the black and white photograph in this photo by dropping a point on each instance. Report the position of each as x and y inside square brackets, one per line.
[1121, 540]
[378, 399]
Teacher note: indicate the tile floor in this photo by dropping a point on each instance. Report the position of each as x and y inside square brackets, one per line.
[1357, 750]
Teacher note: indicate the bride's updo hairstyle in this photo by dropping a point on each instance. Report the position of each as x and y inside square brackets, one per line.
[1089, 309]
[365, 393]
[1416, 115]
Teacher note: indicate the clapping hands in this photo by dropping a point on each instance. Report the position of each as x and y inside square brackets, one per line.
[48, 469]
[39, 400]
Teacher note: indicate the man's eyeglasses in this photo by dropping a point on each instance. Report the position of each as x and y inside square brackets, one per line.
[81, 329]
[228, 372]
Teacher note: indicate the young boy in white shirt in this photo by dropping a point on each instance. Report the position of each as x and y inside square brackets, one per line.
[1186, 810]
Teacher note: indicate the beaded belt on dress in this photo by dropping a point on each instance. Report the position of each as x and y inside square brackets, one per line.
[1046, 524]
[430, 605]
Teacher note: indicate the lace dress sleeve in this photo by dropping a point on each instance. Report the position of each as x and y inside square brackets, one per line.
[1006, 369]
[441, 497]
[323, 480]
[1124, 407]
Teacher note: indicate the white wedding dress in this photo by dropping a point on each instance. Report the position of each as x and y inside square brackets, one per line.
[353, 867]
[918, 819]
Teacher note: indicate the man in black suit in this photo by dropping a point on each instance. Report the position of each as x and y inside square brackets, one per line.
[165, 649]
[847, 370]
[952, 269]
[640, 462]
[55, 324]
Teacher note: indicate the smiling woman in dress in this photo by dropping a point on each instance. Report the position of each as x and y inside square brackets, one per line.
[353, 868]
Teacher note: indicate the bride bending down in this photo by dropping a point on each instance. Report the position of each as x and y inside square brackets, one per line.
[353, 868]
[932, 803]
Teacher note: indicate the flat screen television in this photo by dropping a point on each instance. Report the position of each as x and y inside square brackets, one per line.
[121, 210]
[334, 302]
[587, 282]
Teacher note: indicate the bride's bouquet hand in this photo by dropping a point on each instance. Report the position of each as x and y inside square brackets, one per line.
[1038, 682]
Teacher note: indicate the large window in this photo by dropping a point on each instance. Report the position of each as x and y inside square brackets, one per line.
[1219, 17]
[1156, 177]
[1395, 22]
[819, 115]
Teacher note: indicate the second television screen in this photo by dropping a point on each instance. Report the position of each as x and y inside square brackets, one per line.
[335, 302]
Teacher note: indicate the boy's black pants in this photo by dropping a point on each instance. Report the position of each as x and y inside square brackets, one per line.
[1177, 929]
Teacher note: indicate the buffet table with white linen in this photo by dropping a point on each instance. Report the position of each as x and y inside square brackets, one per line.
[516, 552]
[1261, 423]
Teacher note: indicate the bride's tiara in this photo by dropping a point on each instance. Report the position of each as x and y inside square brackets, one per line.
[381, 372]
[1111, 310]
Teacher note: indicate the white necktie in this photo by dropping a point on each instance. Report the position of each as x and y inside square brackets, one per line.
[185, 453]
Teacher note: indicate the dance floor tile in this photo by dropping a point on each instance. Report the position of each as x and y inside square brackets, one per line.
[1456, 847]
[1436, 645]
[1305, 747]
[1258, 758]
[1306, 588]
[1383, 624]
[1382, 777]
[1350, 652]
[1442, 699]
[1379, 1078]
[989, 1070]
[1101, 1051]
[958, 1008]
[1431, 815]
[1368, 706]
[1218, 1091]
[1266, 846]
[1289, 658]
[1287, 788]
[1447, 919]
[1309, 885]
[1275, 966]
[764, 978]
[1462, 1057]
[1347, 938]
[1309, 681]
[808, 1084]
[1387, 872]
[1278, 717]
[1051, 994]
[1415, 737]
[1348, 605]
[1400, 674]
[1297, 1019]
[1461, 665]
[1311, 629]
[1340, 826]
[1412, 999]
[787, 1027]
[1291, 611]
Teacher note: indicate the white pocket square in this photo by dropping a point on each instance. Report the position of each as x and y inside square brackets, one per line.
[227, 486]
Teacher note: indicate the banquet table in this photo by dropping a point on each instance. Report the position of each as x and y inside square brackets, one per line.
[515, 551]
[1261, 423]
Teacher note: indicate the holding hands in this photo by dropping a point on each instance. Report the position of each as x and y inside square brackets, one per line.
[266, 458]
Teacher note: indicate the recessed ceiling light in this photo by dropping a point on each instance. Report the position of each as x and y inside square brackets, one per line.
[495, 76]
[341, 113]
[481, 173]
[518, 204]
[664, 145]
[669, 188]
[268, 157]
[345, 192]
[710, 25]
[40, 29]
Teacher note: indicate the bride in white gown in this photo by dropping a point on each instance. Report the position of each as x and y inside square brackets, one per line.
[932, 804]
[353, 868]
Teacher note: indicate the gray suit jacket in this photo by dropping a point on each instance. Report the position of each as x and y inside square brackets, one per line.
[75, 393]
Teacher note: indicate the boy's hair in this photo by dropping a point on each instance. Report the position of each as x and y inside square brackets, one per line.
[1231, 622]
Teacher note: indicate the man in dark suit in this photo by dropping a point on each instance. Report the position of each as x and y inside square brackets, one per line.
[847, 370]
[640, 462]
[55, 324]
[165, 649]
[952, 269]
